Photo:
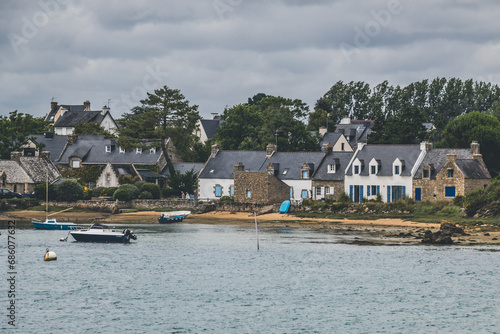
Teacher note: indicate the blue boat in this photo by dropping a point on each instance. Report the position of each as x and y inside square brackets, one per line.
[52, 224]
[173, 217]
[284, 207]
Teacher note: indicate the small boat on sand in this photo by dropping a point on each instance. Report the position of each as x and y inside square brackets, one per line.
[102, 233]
[173, 216]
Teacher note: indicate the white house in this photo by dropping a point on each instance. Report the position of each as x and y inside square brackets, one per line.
[385, 170]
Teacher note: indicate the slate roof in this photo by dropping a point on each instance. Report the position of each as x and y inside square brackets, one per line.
[341, 159]
[147, 174]
[29, 169]
[72, 118]
[387, 154]
[355, 132]
[330, 137]
[210, 126]
[123, 169]
[55, 144]
[436, 157]
[93, 151]
[14, 172]
[289, 164]
[52, 113]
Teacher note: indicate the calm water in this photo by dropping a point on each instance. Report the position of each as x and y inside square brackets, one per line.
[211, 279]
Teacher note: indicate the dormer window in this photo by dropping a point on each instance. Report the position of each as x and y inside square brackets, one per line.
[373, 170]
[152, 150]
[138, 150]
[396, 170]
[305, 174]
[356, 169]
[426, 173]
[108, 148]
[332, 168]
[122, 150]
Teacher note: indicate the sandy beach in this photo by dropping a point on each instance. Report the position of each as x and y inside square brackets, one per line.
[387, 229]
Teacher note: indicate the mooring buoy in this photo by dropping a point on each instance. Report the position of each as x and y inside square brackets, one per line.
[50, 256]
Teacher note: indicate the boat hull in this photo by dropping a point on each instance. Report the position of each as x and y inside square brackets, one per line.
[81, 237]
[170, 220]
[54, 226]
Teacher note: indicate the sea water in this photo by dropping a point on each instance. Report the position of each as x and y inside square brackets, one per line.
[188, 278]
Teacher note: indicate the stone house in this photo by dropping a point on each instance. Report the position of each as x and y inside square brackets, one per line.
[447, 173]
[66, 117]
[22, 173]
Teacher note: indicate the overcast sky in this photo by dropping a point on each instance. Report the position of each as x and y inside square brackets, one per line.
[221, 52]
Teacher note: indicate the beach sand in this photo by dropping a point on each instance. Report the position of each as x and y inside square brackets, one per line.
[387, 229]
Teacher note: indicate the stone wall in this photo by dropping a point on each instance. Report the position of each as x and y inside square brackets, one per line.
[264, 188]
[338, 188]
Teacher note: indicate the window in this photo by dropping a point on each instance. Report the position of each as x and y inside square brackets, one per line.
[305, 174]
[75, 164]
[449, 191]
[356, 169]
[270, 172]
[285, 171]
[450, 173]
[331, 168]
[108, 148]
[122, 150]
[249, 193]
[396, 170]
[305, 194]
[138, 150]
[152, 150]
[373, 170]
[318, 191]
[218, 191]
[329, 190]
[398, 192]
[374, 190]
[426, 173]
[342, 146]
[108, 176]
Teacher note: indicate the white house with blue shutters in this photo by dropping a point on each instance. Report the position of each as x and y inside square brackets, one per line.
[387, 170]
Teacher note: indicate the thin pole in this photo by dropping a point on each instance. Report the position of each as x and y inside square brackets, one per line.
[47, 195]
[256, 230]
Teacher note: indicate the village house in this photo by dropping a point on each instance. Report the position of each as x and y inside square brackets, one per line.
[270, 176]
[65, 117]
[207, 128]
[22, 173]
[385, 170]
[446, 173]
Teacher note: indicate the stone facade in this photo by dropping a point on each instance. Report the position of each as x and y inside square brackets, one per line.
[338, 189]
[449, 177]
[259, 188]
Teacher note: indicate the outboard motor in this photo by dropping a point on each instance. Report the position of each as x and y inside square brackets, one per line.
[129, 234]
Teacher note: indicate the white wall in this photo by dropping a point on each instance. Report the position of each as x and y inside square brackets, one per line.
[382, 181]
[206, 188]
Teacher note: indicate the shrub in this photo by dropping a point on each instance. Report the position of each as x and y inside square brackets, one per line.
[127, 179]
[169, 192]
[152, 188]
[451, 210]
[227, 199]
[19, 203]
[145, 195]
[108, 191]
[132, 190]
[40, 191]
[344, 198]
[97, 191]
[121, 195]
[69, 191]
[139, 184]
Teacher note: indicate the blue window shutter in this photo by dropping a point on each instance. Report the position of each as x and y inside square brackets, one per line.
[449, 191]
[218, 191]
[388, 194]
[378, 190]
[291, 193]
[367, 190]
[351, 190]
[360, 193]
[232, 191]
[403, 195]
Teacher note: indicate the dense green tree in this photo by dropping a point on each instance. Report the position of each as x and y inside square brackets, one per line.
[181, 182]
[69, 191]
[267, 119]
[476, 126]
[15, 130]
[164, 114]
[92, 129]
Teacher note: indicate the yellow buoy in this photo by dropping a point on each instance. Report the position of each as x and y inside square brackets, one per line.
[50, 256]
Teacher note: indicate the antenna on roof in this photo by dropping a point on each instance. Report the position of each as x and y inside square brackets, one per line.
[53, 98]
[107, 103]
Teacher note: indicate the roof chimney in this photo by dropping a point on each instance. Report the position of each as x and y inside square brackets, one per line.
[474, 147]
[45, 155]
[53, 105]
[451, 158]
[323, 130]
[426, 146]
[215, 149]
[15, 156]
[72, 139]
[270, 149]
[239, 167]
[86, 105]
[105, 109]
[327, 149]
